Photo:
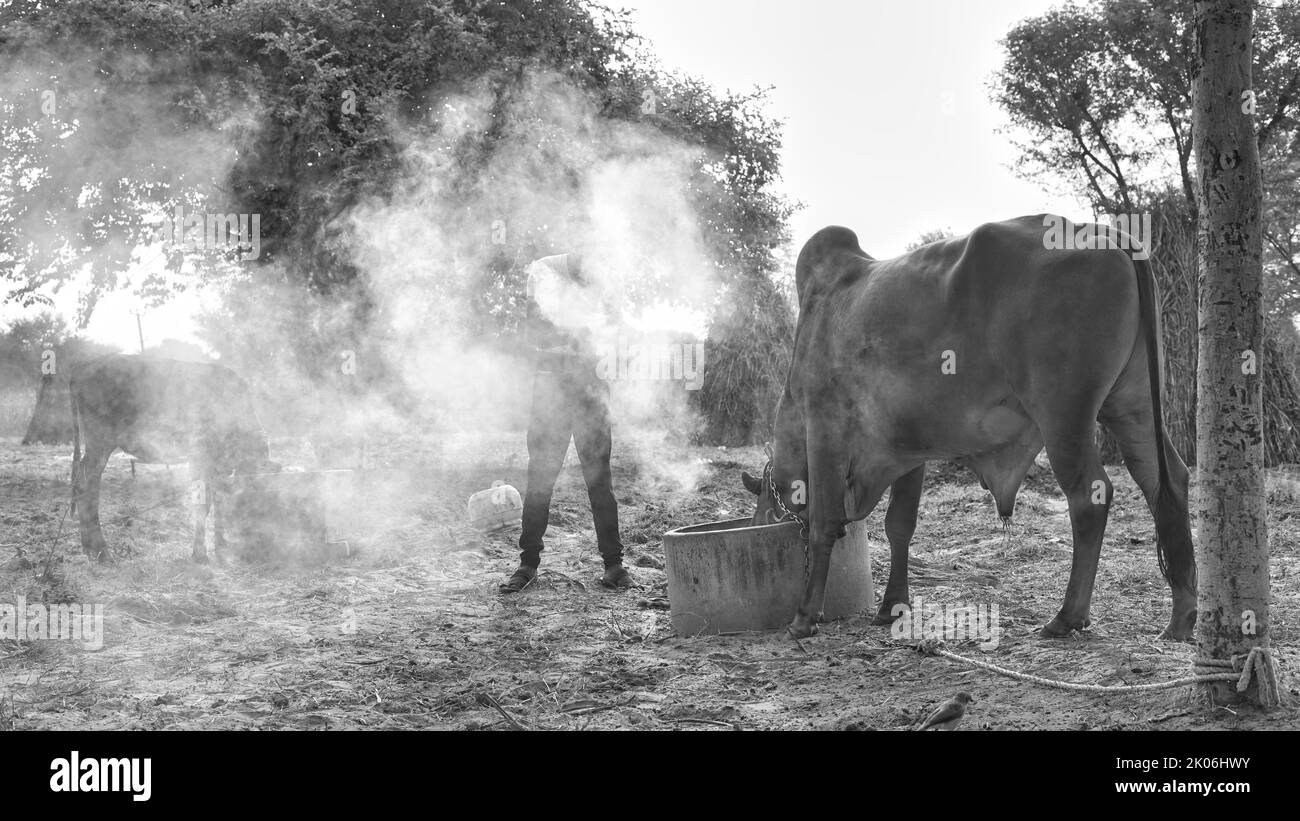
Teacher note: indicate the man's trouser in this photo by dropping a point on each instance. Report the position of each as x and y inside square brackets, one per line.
[567, 407]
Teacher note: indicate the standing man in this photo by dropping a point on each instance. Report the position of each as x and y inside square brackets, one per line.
[569, 402]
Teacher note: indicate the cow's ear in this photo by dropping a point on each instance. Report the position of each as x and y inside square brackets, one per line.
[752, 483]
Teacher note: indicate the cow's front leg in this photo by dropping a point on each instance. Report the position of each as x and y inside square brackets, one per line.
[86, 489]
[200, 495]
[827, 484]
[820, 542]
[900, 523]
[218, 531]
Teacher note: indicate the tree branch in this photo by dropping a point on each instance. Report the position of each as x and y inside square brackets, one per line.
[1086, 154]
[1184, 149]
[1282, 252]
[1110, 152]
[1283, 100]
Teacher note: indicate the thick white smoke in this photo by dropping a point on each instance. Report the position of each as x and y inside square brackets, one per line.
[561, 179]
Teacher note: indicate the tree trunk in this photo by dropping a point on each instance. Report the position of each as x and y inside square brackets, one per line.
[1232, 551]
[51, 422]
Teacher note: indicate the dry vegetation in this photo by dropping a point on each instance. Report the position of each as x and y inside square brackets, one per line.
[405, 629]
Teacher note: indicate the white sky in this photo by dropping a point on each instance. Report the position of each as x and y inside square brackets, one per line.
[888, 125]
[862, 86]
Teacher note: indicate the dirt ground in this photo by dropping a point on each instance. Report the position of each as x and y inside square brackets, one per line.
[405, 629]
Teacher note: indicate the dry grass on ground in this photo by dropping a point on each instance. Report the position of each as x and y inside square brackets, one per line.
[408, 631]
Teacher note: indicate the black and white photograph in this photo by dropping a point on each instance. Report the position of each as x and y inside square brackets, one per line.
[657, 366]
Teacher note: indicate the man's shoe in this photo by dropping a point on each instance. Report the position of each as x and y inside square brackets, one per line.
[521, 578]
[617, 577]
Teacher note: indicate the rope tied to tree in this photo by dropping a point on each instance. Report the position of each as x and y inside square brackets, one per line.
[1258, 663]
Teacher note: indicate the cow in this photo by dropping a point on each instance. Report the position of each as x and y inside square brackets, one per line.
[162, 411]
[983, 349]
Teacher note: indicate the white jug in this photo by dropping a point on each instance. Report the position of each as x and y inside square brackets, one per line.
[495, 508]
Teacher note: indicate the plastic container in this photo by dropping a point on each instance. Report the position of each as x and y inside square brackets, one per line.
[493, 509]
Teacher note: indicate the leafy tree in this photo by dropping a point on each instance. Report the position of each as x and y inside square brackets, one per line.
[1101, 93]
[300, 110]
[927, 237]
[36, 355]
[1100, 98]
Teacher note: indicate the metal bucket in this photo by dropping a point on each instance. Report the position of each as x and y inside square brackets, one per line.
[731, 576]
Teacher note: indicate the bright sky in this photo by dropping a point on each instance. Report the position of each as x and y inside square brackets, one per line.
[888, 125]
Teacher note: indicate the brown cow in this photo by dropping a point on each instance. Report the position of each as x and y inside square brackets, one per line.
[162, 410]
[981, 348]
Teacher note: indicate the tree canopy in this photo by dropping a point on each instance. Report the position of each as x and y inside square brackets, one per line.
[304, 112]
[1100, 97]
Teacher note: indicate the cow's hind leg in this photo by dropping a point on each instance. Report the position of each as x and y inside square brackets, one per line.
[1133, 427]
[1077, 465]
[89, 477]
[900, 523]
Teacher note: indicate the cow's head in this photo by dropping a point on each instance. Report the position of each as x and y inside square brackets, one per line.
[779, 499]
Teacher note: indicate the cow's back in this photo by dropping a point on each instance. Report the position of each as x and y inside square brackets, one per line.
[154, 408]
[989, 294]
[925, 344]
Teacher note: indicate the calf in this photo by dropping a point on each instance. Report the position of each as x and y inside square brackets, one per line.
[162, 410]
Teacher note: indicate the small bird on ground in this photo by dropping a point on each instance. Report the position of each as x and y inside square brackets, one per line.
[949, 714]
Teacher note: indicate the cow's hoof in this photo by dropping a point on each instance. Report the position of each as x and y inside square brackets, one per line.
[820, 618]
[885, 615]
[102, 557]
[199, 558]
[1179, 630]
[1059, 628]
[801, 630]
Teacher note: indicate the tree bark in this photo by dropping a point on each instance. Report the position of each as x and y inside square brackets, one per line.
[1232, 550]
[51, 422]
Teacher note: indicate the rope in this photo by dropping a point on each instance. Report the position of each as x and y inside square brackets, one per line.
[1257, 664]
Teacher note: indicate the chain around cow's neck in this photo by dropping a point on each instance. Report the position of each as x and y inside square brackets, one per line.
[787, 514]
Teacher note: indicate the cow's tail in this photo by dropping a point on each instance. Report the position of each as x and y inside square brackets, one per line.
[1174, 550]
[76, 443]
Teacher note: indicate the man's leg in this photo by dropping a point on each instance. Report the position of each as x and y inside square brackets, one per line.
[593, 439]
[548, 440]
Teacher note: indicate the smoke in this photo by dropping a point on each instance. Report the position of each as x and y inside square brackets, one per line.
[442, 256]
[559, 178]
[503, 170]
[95, 162]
